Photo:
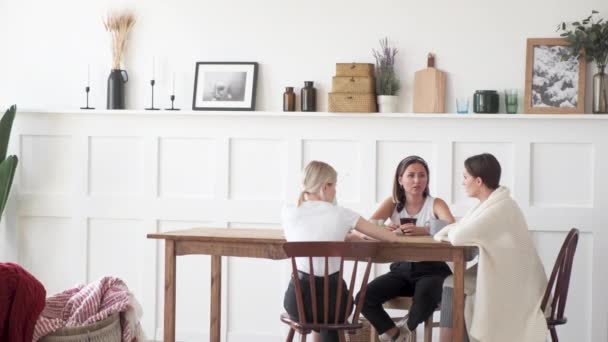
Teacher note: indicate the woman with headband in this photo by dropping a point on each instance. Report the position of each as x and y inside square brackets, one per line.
[412, 211]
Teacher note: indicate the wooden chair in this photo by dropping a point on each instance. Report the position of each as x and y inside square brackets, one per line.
[363, 251]
[404, 303]
[557, 288]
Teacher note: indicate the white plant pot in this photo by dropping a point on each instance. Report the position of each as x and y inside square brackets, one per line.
[387, 103]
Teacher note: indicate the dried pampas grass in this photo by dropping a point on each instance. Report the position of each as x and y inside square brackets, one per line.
[119, 24]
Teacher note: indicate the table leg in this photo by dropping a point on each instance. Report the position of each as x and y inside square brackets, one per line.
[216, 298]
[169, 327]
[458, 304]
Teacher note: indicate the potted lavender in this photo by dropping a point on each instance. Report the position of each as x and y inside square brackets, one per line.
[387, 82]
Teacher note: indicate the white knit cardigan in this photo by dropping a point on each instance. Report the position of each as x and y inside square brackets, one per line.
[510, 276]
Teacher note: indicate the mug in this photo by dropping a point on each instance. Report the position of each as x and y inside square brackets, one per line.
[406, 220]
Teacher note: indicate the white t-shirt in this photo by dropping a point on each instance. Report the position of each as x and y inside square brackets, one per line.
[317, 221]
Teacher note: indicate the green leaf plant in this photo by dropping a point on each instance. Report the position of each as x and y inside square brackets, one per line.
[8, 165]
[589, 38]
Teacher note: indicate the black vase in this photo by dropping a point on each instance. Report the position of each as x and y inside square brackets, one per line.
[308, 97]
[116, 89]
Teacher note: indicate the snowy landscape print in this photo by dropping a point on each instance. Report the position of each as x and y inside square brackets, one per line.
[554, 81]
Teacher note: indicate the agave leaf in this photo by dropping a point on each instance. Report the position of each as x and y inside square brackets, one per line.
[7, 173]
[6, 124]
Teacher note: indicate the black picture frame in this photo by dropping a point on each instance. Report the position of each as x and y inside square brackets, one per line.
[228, 86]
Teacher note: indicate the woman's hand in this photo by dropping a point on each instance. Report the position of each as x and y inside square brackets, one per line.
[391, 227]
[411, 230]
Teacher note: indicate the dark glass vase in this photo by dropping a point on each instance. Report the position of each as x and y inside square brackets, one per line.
[116, 89]
[600, 91]
[289, 100]
[308, 97]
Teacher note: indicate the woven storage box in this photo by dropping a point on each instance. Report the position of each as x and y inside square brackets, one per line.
[353, 84]
[363, 335]
[107, 330]
[351, 103]
[354, 69]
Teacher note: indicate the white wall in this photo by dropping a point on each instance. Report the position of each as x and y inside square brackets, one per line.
[91, 185]
[47, 45]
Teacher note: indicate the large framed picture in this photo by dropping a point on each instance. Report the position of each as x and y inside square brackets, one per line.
[225, 86]
[555, 81]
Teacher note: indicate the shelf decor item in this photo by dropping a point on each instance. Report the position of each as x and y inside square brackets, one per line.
[308, 97]
[118, 24]
[353, 89]
[152, 83]
[555, 78]
[429, 88]
[589, 39]
[289, 100]
[87, 89]
[225, 86]
[387, 82]
[485, 101]
[172, 97]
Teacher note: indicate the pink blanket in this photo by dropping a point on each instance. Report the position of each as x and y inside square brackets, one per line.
[91, 303]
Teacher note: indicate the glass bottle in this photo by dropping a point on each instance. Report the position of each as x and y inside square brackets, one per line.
[600, 91]
[289, 100]
[308, 97]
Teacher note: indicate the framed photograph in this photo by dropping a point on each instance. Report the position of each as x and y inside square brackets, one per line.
[554, 84]
[224, 86]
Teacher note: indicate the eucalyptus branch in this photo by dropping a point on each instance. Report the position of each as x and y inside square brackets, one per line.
[588, 38]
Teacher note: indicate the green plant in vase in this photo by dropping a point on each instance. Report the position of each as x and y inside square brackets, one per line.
[7, 164]
[387, 82]
[589, 38]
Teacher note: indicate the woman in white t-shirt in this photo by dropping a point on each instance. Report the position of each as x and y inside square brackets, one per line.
[414, 211]
[318, 218]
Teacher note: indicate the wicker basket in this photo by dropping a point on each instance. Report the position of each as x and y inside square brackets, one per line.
[353, 84]
[354, 69]
[351, 103]
[107, 330]
[363, 335]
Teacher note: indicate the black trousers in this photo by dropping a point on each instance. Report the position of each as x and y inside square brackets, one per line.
[291, 306]
[423, 281]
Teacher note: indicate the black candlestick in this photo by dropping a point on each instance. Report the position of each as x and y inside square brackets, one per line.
[87, 89]
[152, 82]
[172, 97]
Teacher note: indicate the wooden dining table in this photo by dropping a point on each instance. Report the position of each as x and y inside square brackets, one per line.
[268, 244]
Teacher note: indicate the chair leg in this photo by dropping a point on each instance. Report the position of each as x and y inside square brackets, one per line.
[553, 334]
[302, 337]
[414, 337]
[428, 329]
[290, 335]
[341, 336]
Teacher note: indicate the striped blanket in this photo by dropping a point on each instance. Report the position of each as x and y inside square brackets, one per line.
[86, 304]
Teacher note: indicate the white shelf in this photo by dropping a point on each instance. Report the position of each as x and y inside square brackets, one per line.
[451, 116]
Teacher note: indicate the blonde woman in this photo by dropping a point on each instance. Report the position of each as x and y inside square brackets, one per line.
[318, 218]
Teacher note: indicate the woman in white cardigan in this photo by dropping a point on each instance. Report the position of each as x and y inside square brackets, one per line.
[504, 289]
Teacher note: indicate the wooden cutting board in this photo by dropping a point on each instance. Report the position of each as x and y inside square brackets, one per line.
[429, 88]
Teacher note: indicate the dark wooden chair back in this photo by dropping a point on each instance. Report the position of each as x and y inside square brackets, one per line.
[357, 251]
[559, 282]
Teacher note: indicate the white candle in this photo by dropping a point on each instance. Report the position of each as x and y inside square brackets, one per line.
[153, 62]
[88, 75]
[173, 93]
